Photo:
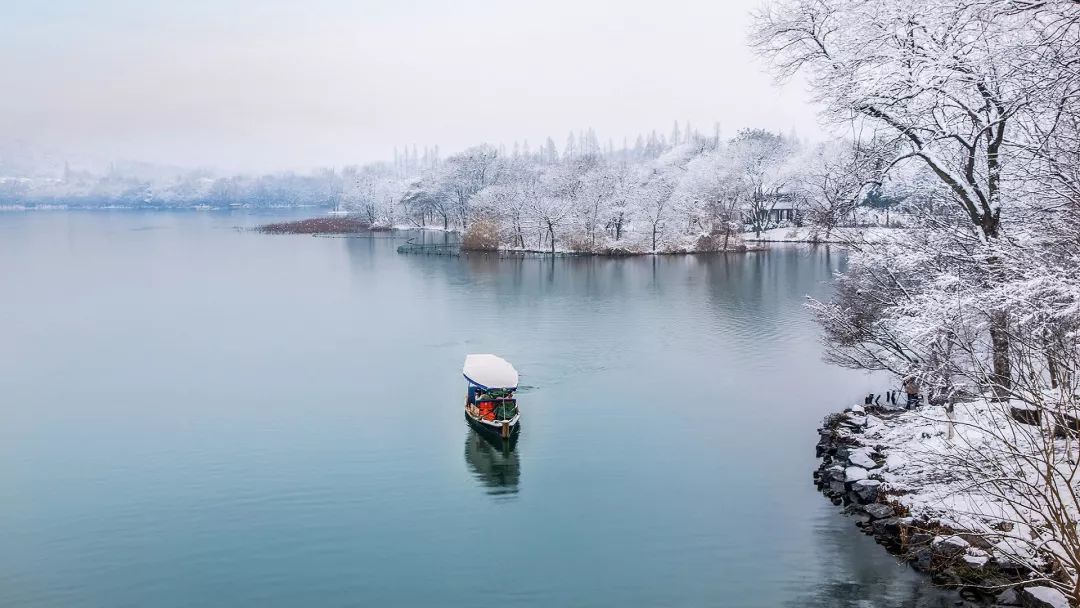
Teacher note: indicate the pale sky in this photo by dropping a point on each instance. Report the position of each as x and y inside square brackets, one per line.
[270, 84]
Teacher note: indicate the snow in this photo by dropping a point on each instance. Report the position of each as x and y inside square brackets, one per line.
[857, 420]
[861, 457]
[816, 234]
[976, 558]
[1048, 596]
[928, 471]
[855, 473]
[950, 542]
[489, 371]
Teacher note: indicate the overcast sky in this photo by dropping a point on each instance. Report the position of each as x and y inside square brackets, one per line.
[273, 84]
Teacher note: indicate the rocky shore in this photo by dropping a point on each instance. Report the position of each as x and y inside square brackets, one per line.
[859, 468]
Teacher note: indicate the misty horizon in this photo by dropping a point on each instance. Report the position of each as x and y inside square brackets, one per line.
[249, 88]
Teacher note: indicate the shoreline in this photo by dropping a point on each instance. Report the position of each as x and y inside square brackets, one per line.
[345, 226]
[416, 249]
[864, 470]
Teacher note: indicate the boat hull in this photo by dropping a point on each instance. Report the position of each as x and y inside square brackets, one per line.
[496, 430]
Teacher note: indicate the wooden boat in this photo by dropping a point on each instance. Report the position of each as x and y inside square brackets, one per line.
[490, 406]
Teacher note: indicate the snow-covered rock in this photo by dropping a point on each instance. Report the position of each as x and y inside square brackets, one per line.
[861, 458]
[879, 511]
[1042, 597]
[855, 474]
[855, 420]
[894, 461]
[858, 409]
[950, 545]
[975, 558]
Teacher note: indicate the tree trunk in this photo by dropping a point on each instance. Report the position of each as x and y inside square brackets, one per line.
[999, 319]
[999, 340]
[551, 233]
[1052, 368]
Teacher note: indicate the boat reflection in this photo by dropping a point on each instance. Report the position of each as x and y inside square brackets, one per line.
[494, 463]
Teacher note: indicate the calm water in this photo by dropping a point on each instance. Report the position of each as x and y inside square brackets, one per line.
[195, 415]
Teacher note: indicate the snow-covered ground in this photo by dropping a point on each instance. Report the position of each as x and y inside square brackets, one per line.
[816, 234]
[975, 469]
[982, 494]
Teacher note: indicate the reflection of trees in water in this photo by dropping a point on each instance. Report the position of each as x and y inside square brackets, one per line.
[854, 594]
[494, 464]
[858, 573]
[361, 250]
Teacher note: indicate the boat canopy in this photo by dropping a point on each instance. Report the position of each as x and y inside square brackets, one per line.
[489, 371]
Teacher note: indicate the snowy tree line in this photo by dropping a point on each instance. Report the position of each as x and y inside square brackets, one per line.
[686, 192]
[675, 192]
[981, 299]
[149, 186]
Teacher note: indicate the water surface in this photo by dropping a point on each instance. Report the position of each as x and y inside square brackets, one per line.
[196, 415]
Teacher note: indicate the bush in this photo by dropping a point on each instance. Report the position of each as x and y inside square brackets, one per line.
[579, 243]
[709, 242]
[481, 235]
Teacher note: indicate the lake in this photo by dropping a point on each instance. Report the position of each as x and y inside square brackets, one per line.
[198, 415]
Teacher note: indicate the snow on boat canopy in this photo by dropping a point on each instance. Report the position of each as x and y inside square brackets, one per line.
[490, 372]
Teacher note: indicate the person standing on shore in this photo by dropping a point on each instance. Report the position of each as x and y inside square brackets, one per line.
[911, 387]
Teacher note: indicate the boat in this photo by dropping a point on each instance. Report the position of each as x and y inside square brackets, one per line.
[490, 406]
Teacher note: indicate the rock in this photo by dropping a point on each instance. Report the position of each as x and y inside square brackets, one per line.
[949, 545]
[858, 409]
[822, 448]
[1008, 597]
[867, 490]
[1025, 415]
[975, 558]
[922, 558]
[879, 511]
[888, 527]
[861, 458]
[920, 538]
[837, 487]
[835, 472]
[1042, 597]
[855, 420]
[855, 474]
[976, 540]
